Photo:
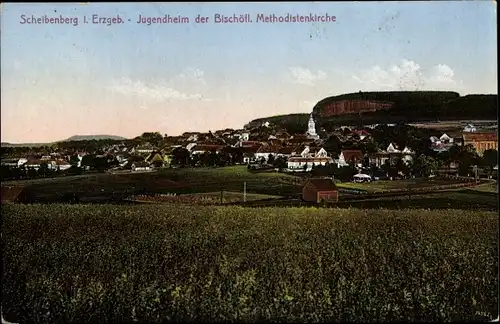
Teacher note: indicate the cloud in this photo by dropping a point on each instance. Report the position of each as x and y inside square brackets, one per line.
[154, 92]
[408, 75]
[305, 76]
[193, 74]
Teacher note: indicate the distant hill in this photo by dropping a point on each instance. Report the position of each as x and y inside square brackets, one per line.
[390, 107]
[5, 144]
[72, 138]
[94, 137]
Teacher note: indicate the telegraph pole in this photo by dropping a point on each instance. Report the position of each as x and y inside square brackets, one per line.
[221, 194]
[244, 191]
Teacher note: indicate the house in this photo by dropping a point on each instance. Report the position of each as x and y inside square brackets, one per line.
[391, 154]
[191, 136]
[202, 148]
[301, 164]
[445, 139]
[347, 157]
[244, 136]
[9, 162]
[59, 164]
[33, 163]
[434, 140]
[266, 124]
[265, 150]
[285, 151]
[392, 148]
[320, 190]
[155, 159]
[469, 128]
[21, 162]
[147, 148]
[249, 153]
[121, 157]
[361, 133]
[248, 144]
[481, 141]
[441, 144]
[190, 146]
[140, 166]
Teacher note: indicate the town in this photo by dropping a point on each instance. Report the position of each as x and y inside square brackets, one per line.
[391, 152]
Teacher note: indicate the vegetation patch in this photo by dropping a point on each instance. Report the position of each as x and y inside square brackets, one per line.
[81, 263]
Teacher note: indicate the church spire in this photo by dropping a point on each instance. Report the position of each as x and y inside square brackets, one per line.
[311, 129]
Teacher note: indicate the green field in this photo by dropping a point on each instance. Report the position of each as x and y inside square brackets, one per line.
[466, 199]
[490, 187]
[228, 196]
[182, 181]
[381, 185]
[232, 179]
[82, 263]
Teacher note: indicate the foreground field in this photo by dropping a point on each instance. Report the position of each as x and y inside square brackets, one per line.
[76, 263]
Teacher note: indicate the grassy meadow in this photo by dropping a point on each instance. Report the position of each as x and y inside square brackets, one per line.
[109, 263]
[181, 181]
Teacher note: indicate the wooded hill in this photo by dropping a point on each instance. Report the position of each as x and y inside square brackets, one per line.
[400, 106]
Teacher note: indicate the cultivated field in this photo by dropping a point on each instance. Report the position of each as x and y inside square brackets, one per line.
[382, 185]
[82, 263]
[181, 181]
[466, 199]
[454, 128]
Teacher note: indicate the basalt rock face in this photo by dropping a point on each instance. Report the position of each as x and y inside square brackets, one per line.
[343, 107]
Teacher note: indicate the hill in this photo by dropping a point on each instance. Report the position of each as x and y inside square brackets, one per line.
[75, 138]
[293, 123]
[390, 107]
[94, 137]
[5, 144]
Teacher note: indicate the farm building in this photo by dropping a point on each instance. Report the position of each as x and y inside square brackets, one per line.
[481, 141]
[320, 190]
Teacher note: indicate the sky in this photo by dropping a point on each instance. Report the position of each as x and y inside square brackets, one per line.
[124, 79]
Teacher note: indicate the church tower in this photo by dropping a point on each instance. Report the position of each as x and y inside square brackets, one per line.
[311, 129]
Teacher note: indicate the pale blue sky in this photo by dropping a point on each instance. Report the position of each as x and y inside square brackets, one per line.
[62, 80]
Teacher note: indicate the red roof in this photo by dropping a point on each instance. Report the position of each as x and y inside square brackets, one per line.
[323, 184]
[350, 155]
